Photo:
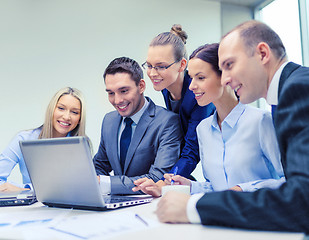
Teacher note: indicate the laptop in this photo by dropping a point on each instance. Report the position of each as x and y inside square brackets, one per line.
[63, 175]
[17, 198]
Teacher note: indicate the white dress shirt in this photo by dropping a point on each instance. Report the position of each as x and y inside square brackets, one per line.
[272, 93]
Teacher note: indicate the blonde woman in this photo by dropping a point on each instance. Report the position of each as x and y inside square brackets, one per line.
[65, 117]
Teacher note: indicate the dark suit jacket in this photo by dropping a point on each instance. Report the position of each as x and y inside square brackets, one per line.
[190, 114]
[154, 148]
[286, 208]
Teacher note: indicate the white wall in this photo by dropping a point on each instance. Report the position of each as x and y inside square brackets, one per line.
[46, 45]
[232, 15]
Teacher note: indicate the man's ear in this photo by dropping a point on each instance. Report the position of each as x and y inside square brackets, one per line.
[263, 51]
[142, 86]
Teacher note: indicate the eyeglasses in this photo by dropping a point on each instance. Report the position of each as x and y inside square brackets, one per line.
[148, 67]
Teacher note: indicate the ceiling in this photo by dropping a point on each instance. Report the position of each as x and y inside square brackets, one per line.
[245, 3]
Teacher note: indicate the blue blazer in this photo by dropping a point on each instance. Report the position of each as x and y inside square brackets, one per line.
[190, 114]
[286, 208]
[153, 151]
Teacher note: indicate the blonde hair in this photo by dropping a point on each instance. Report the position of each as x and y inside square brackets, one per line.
[176, 37]
[47, 127]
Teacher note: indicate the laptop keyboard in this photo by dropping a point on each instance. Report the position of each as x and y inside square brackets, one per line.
[16, 202]
[117, 199]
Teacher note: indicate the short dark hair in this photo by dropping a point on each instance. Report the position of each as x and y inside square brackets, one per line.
[208, 53]
[253, 32]
[125, 65]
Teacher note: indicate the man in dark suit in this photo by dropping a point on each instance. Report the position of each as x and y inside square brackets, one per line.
[254, 63]
[138, 140]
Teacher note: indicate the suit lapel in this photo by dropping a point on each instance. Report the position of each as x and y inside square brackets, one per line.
[287, 71]
[139, 132]
[166, 96]
[112, 144]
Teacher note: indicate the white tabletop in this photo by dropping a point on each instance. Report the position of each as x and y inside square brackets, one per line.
[160, 231]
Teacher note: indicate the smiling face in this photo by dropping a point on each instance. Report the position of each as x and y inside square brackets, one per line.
[163, 56]
[206, 83]
[243, 72]
[123, 94]
[66, 115]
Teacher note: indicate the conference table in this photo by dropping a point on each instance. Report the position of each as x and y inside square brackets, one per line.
[82, 224]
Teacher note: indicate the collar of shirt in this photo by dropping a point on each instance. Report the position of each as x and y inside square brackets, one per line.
[137, 116]
[232, 118]
[272, 93]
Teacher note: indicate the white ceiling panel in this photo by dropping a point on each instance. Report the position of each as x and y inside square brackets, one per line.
[246, 3]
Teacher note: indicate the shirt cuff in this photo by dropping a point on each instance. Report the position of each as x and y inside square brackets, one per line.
[105, 184]
[246, 187]
[192, 212]
[193, 188]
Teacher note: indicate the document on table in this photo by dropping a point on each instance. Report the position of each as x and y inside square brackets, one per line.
[38, 218]
[96, 225]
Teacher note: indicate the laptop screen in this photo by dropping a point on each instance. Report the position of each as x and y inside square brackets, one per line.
[62, 172]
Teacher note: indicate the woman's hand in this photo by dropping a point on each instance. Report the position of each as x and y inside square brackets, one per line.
[236, 188]
[8, 187]
[178, 180]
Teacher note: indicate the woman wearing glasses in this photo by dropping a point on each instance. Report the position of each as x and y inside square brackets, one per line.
[238, 145]
[166, 67]
[65, 117]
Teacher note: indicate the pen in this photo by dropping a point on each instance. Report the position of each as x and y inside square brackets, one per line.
[174, 172]
[140, 218]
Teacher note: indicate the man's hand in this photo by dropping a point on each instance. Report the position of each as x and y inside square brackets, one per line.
[8, 187]
[172, 208]
[148, 186]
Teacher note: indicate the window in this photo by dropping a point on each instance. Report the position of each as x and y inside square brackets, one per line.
[289, 19]
[283, 17]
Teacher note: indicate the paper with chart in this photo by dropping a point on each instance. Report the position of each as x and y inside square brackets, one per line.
[33, 218]
[96, 225]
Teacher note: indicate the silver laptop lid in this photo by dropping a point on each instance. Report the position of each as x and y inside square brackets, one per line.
[50, 165]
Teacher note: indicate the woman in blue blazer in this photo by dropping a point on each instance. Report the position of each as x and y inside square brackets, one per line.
[166, 67]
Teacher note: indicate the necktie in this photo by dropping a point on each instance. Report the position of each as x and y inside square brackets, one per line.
[273, 110]
[125, 140]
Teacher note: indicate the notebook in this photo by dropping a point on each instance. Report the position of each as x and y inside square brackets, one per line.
[63, 175]
[17, 198]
